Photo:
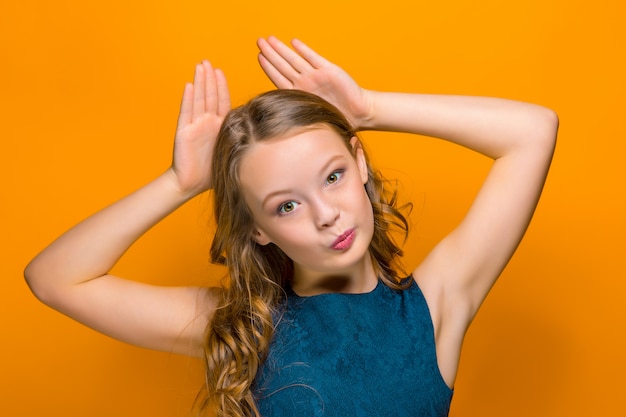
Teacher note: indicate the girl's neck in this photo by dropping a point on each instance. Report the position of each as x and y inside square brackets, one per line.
[359, 279]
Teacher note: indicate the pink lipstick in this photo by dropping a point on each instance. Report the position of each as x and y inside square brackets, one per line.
[344, 241]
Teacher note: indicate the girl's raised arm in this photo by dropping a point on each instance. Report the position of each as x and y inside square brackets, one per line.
[520, 138]
[71, 275]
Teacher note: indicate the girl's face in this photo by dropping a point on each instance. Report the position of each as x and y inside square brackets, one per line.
[307, 196]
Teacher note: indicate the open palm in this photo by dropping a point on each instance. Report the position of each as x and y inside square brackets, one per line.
[205, 104]
[306, 70]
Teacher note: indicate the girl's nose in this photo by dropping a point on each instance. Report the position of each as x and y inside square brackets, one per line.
[326, 212]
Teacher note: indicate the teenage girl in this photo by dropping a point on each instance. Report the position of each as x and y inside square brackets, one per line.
[317, 317]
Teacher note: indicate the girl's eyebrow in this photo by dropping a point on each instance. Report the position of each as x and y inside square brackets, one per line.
[322, 171]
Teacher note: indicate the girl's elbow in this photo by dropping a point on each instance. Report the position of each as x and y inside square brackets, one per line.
[540, 130]
[38, 285]
[548, 126]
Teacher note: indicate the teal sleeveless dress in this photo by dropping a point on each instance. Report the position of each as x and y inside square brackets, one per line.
[353, 355]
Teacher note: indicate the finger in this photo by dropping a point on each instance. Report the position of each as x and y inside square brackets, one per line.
[223, 94]
[273, 74]
[313, 58]
[199, 92]
[278, 60]
[210, 85]
[292, 57]
[186, 106]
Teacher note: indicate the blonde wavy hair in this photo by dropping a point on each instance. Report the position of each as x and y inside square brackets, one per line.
[239, 336]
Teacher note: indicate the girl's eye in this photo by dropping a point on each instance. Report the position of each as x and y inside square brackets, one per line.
[334, 177]
[287, 207]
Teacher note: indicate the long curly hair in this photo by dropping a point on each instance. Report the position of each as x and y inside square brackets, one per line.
[240, 332]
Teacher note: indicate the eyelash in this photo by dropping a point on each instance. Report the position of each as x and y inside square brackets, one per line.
[281, 208]
[337, 173]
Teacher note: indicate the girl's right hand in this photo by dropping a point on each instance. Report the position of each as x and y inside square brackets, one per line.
[205, 104]
[73, 275]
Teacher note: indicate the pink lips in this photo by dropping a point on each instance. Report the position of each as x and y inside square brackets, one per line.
[344, 241]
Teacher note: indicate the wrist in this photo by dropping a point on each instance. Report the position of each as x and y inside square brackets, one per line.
[367, 121]
[179, 191]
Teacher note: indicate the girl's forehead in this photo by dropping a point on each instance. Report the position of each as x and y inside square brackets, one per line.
[296, 131]
[301, 143]
[292, 157]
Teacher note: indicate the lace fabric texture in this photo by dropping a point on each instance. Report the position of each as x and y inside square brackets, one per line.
[354, 355]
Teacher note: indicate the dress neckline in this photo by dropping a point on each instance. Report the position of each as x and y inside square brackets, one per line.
[292, 293]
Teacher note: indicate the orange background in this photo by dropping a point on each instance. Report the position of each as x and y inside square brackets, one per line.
[89, 93]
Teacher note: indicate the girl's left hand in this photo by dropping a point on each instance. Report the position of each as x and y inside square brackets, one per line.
[304, 69]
